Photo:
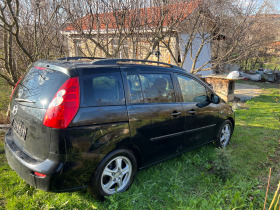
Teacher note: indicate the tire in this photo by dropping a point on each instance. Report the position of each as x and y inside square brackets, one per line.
[115, 173]
[224, 134]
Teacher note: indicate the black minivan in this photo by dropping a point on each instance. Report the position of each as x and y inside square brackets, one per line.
[83, 123]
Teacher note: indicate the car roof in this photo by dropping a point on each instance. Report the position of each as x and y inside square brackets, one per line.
[74, 66]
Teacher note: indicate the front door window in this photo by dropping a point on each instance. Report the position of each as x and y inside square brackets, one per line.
[192, 91]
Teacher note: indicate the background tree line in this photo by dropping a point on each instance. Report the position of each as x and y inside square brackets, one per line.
[33, 29]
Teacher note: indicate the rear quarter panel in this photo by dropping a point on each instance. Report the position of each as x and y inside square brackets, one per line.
[94, 132]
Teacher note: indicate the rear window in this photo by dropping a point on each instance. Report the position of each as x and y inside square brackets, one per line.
[39, 85]
[151, 88]
[102, 90]
[157, 88]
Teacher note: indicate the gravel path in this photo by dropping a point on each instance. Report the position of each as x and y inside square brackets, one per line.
[246, 92]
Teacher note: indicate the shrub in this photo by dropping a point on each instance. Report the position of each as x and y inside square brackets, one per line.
[277, 115]
[222, 166]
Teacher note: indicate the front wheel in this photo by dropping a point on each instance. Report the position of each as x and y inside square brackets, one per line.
[114, 174]
[224, 134]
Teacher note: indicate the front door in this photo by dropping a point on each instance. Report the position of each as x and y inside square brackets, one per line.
[155, 117]
[198, 110]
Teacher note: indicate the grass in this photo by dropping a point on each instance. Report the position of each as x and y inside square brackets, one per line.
[5, 92]
[274, 63]
[268, 63]
[189, 181]
[263, 85]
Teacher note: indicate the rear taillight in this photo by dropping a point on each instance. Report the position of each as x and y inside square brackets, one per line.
[64, 105]
[15, 87]
[39, 68]
[39, 175]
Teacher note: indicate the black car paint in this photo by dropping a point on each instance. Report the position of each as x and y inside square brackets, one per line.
[69, 156]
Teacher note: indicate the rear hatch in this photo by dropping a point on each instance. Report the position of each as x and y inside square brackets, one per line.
[29, 103]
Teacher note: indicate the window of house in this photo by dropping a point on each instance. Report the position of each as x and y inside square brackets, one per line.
[103, 90]
[192, 91]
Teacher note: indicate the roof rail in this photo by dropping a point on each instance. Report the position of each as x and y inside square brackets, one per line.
[118, 61]
[78, 58]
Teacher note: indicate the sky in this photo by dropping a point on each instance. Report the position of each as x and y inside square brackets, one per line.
[276, 3]
[258, 3]
[278, 7]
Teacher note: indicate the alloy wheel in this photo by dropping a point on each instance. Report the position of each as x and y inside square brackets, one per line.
[225, 135]
[116, 175]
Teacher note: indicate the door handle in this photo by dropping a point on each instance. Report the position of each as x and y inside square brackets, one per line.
[192, 112]
[175, 114]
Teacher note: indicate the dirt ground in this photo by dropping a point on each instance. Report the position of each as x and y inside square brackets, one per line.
[246, 92]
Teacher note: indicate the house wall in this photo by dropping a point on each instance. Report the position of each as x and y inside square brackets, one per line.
[204, 56]
[138, 48]
[133, 48]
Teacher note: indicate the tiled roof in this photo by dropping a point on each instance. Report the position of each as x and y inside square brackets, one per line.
[275, 44]
[144, 17]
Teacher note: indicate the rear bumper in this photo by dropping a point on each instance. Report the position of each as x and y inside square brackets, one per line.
[25, 166]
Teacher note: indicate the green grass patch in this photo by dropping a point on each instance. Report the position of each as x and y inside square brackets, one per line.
[189, 181]
[5, 92]
[272, 62]
[263, 85]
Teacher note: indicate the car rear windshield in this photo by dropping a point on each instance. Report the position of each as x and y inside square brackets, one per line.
[38, 87]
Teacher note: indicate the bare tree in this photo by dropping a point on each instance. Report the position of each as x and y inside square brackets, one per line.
[118, 26]
[182, 28]
[30, 31]
[104, 28]
[246, 33]
[232, 29]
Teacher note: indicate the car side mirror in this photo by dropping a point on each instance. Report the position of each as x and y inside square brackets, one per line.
[203, 101]
[203, 104]
[215, 99]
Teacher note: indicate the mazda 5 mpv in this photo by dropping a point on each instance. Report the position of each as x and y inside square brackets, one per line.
[94, 123]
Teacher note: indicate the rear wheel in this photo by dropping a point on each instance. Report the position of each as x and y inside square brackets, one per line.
[114, 174]
[224, 134]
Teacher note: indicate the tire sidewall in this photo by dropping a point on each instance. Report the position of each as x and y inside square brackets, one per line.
[95, 185]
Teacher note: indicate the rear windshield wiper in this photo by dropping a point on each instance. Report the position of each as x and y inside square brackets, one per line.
[24, 100]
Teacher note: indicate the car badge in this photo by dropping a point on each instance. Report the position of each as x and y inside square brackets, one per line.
[15, 109]
[20, 92]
